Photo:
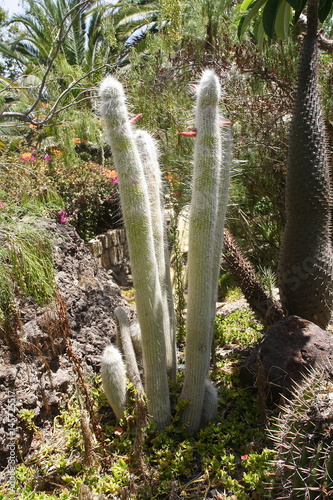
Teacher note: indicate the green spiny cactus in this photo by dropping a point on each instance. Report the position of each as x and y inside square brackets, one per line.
[202, 253]
[113, 373]
[264, 307]
[137, 217]
[303, 437]
[305, 264]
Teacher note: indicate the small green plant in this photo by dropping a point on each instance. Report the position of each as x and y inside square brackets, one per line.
[238, 328]
[28, 417]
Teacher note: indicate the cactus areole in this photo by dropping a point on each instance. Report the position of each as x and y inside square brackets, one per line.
[305, 264]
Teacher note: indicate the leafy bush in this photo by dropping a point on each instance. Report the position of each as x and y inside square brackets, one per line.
[82, 193]
[90, 195]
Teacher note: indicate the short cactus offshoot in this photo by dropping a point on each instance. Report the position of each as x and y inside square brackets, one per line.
[136, 162]
[113, 373]
[303, 438]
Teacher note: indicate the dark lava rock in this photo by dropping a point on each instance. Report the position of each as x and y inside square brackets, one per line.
[289, 348]
[56, 341]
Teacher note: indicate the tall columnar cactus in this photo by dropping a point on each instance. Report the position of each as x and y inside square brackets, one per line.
[137, 217]
[222, 204]
[149, 157]
[303, 440]
[135, 158]
[305, 264]
[204, 231]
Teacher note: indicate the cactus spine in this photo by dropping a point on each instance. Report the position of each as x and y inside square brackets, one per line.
[137, 217]
[303, 440]
[113, 373]
[202, 227]
[305, 264]
[149, 157]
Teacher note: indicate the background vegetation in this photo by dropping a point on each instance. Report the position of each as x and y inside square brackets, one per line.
[54, 163]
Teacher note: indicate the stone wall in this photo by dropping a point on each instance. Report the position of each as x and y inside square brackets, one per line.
[110, 248]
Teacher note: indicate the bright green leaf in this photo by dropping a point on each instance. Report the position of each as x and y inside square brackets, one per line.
[249, 16]
[283, 19]
[245, 5]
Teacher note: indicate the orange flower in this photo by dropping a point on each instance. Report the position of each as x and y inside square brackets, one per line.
[110, 174]
[168, 177]
[55, 151]
[26, 156]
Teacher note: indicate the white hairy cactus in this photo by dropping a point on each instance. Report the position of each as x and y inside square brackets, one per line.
[128, 348]
[136, 160]
[137, 217]
[210, 404]
[202, 254]
[149, 157]
[113, 373]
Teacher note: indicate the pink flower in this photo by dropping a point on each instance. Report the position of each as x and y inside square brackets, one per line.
[26, 156]
[63, 217]
[244, 457]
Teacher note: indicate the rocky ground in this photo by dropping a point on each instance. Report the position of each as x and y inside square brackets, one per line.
[58, 346]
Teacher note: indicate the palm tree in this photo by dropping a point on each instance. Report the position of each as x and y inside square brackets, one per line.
[44, 24]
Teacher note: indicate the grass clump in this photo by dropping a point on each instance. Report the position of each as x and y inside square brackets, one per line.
[26, 271]
[26, 263]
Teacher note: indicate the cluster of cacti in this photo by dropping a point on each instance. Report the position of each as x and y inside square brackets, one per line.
[306, 259]
[303, 436]
[136, 160]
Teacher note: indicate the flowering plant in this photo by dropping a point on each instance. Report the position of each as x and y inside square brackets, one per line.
[87, 192]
